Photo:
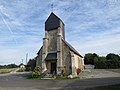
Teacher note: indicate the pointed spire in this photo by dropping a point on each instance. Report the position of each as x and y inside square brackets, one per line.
[52, 22]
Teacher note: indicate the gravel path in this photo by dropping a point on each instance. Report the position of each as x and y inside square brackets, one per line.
[100, 73]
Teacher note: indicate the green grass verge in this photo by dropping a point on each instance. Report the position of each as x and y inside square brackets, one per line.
[4, 71]
[32, 78]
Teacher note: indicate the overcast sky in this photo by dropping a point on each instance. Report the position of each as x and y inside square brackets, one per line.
[90, 26]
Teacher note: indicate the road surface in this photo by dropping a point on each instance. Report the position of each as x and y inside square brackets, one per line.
[17, 81]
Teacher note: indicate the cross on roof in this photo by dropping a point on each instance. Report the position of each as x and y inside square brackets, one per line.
[52, 7]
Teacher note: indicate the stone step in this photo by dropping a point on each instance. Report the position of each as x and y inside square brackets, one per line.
[48, 76]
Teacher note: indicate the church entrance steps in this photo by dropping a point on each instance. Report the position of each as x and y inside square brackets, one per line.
[48, 76]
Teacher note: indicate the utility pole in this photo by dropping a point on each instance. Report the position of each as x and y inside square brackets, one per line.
[26, 58]
[22, 61]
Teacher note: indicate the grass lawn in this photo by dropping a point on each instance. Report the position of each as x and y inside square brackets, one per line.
[54, 78]
[3, 71]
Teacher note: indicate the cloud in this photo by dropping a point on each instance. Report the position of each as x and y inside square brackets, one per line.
[90, 26]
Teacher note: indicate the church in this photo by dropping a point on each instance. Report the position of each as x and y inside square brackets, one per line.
[56, 54]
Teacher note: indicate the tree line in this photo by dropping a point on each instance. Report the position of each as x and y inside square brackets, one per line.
[110, 61]
[8, 66]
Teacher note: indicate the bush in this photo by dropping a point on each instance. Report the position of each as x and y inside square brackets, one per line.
[63, 73]
[37, 72]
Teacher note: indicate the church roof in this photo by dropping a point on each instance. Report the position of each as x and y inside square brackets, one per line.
[52, 22]
[51, 56]
[39, 50]
[71, 48]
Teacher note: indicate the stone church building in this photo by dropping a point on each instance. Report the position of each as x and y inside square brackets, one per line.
[56, 54]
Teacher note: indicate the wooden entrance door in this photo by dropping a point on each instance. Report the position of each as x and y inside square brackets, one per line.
[53, 68]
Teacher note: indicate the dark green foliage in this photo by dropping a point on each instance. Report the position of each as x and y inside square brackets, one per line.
[8, 66]
[100, 63]
[64, 71]
[112, 64]
[89, 58]
[37, 72]
[112, 56]
[111, 61]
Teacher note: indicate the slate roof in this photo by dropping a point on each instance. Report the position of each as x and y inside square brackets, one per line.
[39, 50]
[71, 48]
[51, 56]
[52, 22]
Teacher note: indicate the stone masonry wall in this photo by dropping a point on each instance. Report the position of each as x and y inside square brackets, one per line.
[52, 40]
[78, 62]
[39, 59]
[66, 58]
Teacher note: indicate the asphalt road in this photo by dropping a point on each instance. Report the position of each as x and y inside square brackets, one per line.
[17, 81]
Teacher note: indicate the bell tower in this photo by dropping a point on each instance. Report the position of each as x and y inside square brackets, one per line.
[54, 22]
[52, 43]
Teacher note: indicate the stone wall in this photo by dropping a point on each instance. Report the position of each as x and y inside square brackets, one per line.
[78, 62]
[48, 65]
[39, 59]
[52, 40]
[66, 58]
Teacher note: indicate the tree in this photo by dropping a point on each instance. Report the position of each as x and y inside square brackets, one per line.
[100, 63]
[112, 56]
[113, 60]
[89, 58]
[12, 66]
[8, 66]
